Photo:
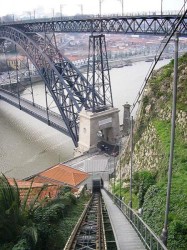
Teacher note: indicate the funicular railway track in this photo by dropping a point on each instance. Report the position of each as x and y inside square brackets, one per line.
[89, 232]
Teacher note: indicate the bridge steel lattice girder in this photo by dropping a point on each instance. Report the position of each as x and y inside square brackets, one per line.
[49, 49]
[146, 25]
[98, 69]
[78, 90]
[32, 51]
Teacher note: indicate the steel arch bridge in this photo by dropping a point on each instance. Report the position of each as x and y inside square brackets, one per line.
[69, 89]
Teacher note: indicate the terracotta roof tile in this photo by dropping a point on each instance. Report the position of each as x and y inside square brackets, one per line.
[24, 184]
[49, 191]
[45, 180]
[62, 174]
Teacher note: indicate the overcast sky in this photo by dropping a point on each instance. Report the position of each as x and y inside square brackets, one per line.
[72, 7]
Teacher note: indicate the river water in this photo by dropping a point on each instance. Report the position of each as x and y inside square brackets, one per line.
[29, 146]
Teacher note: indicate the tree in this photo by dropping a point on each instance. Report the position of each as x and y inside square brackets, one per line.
[16, 215]
[31, 224]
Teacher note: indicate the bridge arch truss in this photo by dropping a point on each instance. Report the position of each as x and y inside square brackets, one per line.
[69, 89]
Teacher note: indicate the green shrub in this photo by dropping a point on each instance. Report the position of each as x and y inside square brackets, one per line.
[142, 180]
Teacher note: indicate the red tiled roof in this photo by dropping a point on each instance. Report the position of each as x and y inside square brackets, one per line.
[50, 191]
[76, 57]
[46, 180]
[24, 184]
[40, 179]
[62, 174]
[19, 57]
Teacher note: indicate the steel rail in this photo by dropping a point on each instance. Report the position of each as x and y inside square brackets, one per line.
[77, 226]
[89, 230]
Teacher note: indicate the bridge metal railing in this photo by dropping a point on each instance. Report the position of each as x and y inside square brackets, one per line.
[60, 127]
[42, 108]
[90, 16]
[33, 104]
[148, 237]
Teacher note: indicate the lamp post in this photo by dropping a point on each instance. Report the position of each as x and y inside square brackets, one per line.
[53, 13]
[29, 13]
[100, 2]
[120, 180]
[81, 7]
[161, 12]
[164, 235]
[61, 7]
[121, 7]
[131, 159]
[114, 174]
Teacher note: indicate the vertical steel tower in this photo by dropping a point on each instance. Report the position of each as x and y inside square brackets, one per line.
[98, 72]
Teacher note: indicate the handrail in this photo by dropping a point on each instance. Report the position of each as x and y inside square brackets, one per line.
[33, 104]
[148, 237]
[90, 16]
[39, 116]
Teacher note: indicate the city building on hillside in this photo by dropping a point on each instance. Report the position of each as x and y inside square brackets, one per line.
[16, 62]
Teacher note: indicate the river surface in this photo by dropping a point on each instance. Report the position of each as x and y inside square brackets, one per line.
[29, 146]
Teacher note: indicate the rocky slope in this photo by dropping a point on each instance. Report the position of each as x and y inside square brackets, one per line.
[151, 155]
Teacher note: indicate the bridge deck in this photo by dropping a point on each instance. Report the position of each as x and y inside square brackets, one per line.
[147, 24]
[125, 236]
[54, 120]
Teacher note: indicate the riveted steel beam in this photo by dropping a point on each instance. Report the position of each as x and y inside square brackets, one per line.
[68, 87]
[145, 25]
[98, 70]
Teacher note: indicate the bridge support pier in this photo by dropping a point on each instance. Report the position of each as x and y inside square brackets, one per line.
[95, 127]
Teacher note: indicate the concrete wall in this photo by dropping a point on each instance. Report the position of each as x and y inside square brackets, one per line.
[91, 123]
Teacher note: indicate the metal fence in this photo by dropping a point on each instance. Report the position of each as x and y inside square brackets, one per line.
[148, 237]
[59, 17]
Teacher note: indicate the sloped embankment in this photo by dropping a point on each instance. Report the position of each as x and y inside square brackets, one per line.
[151, 155]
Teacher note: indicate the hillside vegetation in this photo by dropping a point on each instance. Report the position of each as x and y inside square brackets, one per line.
[151, 156]
[37, 224]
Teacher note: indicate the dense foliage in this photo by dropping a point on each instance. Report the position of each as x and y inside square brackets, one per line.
[155, 198]
[35, 225]
[150, 185]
